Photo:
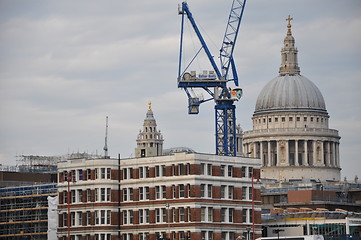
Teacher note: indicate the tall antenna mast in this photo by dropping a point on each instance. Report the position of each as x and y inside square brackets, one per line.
[106, 138]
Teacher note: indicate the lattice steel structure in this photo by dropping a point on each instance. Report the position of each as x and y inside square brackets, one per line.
[24, 211]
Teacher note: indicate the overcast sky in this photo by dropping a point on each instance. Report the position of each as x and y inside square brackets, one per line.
[66, 65]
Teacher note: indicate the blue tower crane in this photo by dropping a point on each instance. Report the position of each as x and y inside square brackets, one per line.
[215, 82]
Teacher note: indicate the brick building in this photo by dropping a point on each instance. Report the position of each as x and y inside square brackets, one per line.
[178, 196]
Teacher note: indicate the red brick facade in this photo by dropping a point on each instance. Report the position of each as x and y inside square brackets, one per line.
[193, 192]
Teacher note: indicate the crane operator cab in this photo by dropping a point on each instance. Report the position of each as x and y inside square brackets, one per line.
[236, 93]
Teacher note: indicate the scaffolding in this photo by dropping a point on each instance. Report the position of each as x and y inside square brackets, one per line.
[44, 164]
[24, 211]
[35, 163]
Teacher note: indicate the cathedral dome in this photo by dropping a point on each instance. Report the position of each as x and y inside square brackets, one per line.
[290, 126]
[290, 93]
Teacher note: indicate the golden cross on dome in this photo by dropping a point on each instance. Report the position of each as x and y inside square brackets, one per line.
[149, 105]
[289, 19]
[289, 25]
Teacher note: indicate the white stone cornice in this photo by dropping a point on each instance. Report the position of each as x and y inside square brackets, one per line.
[312, 132]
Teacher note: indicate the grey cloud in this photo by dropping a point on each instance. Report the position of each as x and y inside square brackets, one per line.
[65, 65]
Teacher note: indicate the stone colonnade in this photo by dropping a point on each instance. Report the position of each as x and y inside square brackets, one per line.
[295, 152]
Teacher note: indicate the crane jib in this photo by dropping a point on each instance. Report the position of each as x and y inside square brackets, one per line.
[230, 38]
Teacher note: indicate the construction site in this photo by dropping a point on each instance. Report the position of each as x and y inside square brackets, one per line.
[24, 197]
[24, 211]
[306, 221]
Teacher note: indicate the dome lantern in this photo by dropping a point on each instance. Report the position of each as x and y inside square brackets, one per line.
[289, 62]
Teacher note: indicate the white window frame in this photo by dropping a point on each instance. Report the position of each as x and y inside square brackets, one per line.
[141, 216]
[80, 195]
[203, 190]
[146, 215]
[244, 193]
[80, 218]
[230, 171]
[131, 194]
[231, 215]
[125, 217]
[102, 217]
[206, 214]
[157, 192]
[157, 215]
[141, 193]
[209, 190]
[164, 192]
[181, 190]
[147, 193]
[209, 169]
[250, 193]
[102, 173]
[109, 171]
[125, 194]
[102, 194]
[181, 214]
[230, 192]
[223, 191]
[141, 172]
[108, 194]
[88, 218]
[131, 216]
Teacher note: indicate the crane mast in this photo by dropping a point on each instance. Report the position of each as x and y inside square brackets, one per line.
[215, 82]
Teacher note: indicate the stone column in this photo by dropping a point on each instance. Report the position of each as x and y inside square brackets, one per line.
[287, 149]
[269, 155]
[337, 155]
[332, 154]
[278, 152]
[305, 163]
[314, 153]
[296, 153]
[327, 151]
[261, 153]
[322, 154]
[254, 152]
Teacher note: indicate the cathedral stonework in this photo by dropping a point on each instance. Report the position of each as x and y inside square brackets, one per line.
[291, 132]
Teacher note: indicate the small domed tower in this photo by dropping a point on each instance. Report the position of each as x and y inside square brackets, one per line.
[291, 133]
[149, 140]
